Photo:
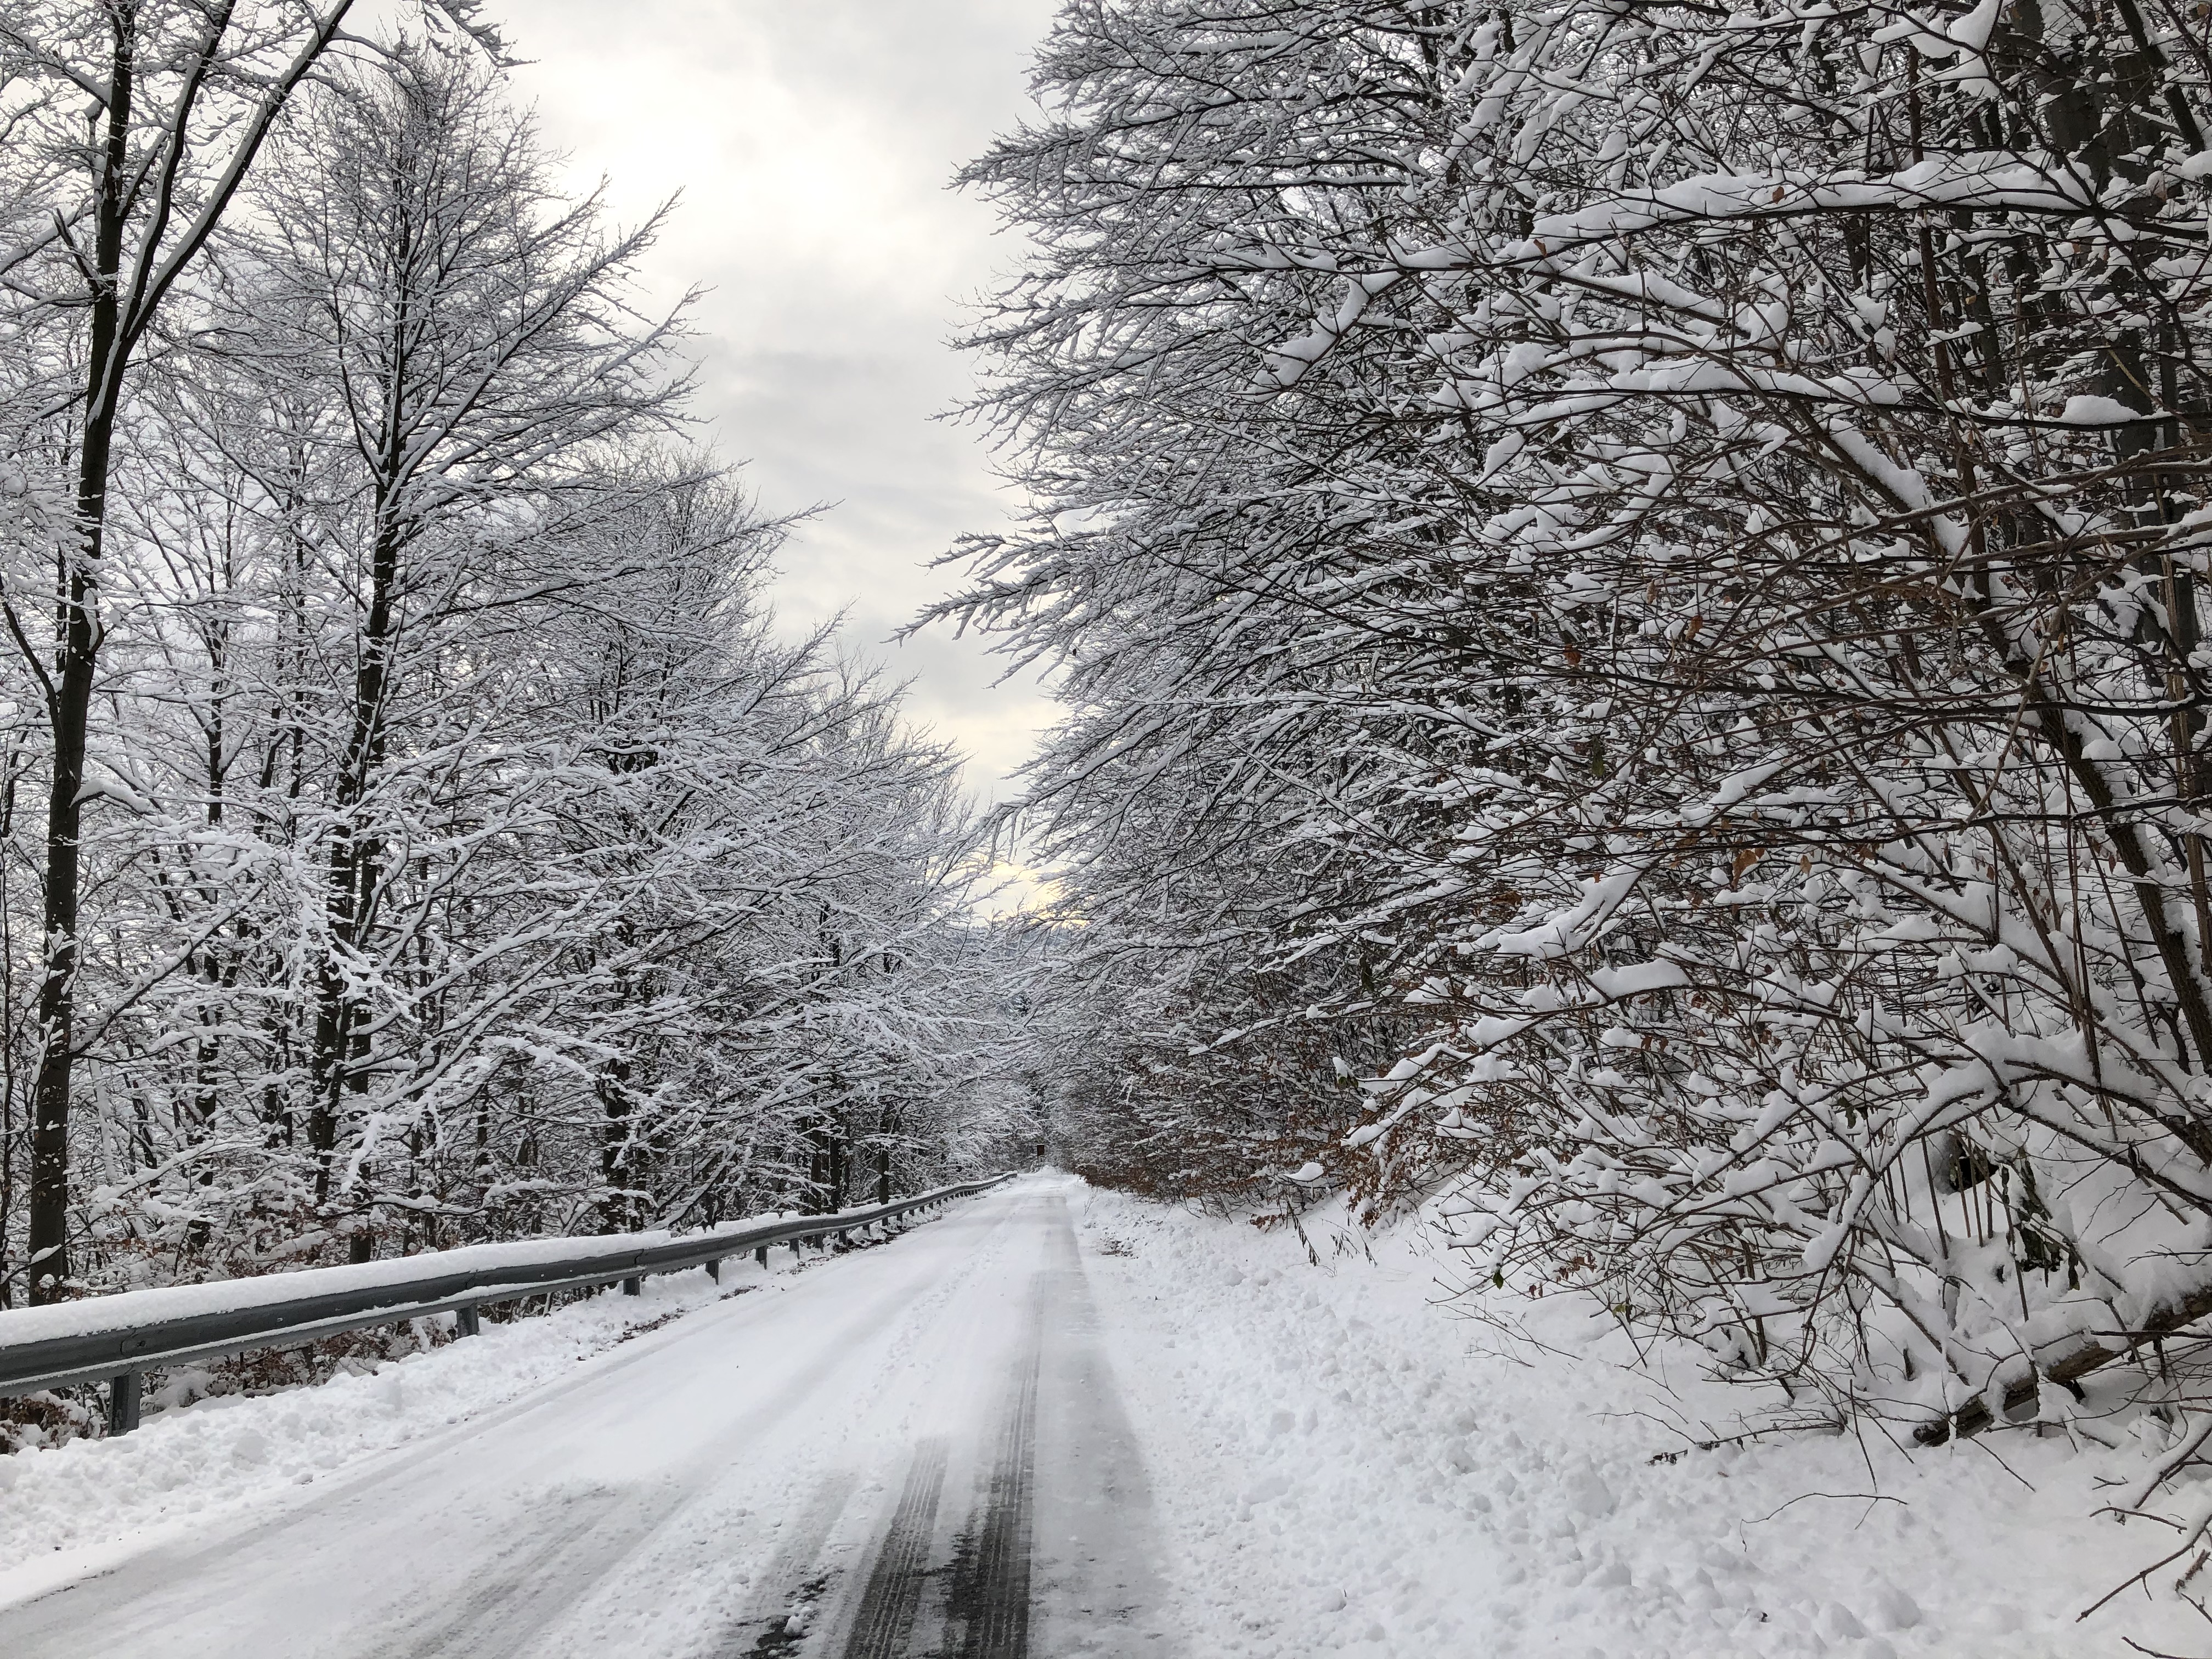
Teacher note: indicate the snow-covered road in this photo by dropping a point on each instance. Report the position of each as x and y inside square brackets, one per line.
[939, 1447]
[917, 1449]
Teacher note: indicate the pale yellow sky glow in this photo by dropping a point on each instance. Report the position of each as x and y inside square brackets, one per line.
[1017, 887]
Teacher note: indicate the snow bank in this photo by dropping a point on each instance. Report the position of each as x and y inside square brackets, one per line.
[1343, 1466]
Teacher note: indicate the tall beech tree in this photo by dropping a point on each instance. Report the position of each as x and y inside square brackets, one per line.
[184, 97]
[476, 332]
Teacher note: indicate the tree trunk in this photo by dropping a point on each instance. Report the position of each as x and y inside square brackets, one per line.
[69, 699]
[351, 871]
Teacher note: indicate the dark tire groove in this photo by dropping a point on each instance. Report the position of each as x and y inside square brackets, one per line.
[990, 1596]
[892, 1600]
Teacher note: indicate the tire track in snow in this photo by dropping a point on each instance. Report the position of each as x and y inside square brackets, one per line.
[484, 1627]
[1055, 1553]
[791, 1588]
[892, 1600]
[495, 1621]
[990, 1593]
[506, 1617]
[850, 1585]
[896, 1573]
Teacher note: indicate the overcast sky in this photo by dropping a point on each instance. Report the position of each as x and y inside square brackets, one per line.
[812, 142]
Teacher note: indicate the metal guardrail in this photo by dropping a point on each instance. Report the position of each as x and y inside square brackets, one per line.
[122, 1356]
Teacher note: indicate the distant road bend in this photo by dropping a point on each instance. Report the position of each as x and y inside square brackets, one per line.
[911, 1450]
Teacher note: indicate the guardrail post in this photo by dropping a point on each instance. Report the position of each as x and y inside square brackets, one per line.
[714, 1270]
[464, 1319]
[761, 1255]
[123, 1402]
[633, 1287]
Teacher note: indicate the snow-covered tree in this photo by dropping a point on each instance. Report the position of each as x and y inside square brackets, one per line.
[1652, 558]
[467, 853]
[182, 98]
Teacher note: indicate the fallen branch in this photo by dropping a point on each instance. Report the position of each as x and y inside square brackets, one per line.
[2194, 1531]
[1869, 1496]
[2093, 1351]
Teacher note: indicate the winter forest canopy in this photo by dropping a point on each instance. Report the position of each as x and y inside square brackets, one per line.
[414, 827]
[1624, 579]
[1620, 576]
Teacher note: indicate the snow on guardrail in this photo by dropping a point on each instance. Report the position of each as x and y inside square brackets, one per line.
[132, 1331]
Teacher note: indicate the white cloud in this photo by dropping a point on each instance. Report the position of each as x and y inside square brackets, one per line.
[813, 145]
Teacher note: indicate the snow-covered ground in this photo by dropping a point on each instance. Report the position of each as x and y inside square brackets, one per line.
[67, 1510]
[1360, 1470]
[1056, 1421]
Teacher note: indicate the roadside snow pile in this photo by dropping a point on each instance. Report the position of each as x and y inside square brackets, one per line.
[1342, 1466]
[65, 1508]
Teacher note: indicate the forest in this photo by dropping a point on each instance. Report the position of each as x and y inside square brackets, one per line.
[1606, 1035]
[1620, 580]
[1623, 578]
[416, 828]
